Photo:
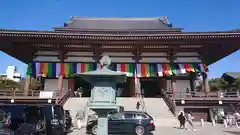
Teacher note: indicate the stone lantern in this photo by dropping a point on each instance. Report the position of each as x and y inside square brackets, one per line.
[103, 93]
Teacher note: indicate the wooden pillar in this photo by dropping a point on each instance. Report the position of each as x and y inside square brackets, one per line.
[60, 79]
[71, 84]
[164, 84]
[161, 86]
[27, 84]
[132, 87]
[60, 82]
[205, 82]
[173, 86]
[192, 82]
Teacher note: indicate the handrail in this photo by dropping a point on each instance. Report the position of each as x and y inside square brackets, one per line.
[185, 95]
[15, 93]
[64, 98]
[169, 102]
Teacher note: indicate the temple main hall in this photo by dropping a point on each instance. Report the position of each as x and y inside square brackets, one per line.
[163, 57]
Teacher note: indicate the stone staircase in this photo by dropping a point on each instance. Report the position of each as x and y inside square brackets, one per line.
[156, 107]
[75, 104]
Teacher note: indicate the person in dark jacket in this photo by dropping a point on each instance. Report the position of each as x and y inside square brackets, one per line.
[138, 105]
[182, 120]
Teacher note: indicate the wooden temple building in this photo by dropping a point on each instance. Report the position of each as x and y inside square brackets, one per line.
[162, 56]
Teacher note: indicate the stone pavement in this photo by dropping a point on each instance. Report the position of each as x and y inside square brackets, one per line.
[208, 129]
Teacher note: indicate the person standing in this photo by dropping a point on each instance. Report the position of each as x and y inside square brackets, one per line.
[190, 120]
[138, 105]
[182, 120]
[237, 118]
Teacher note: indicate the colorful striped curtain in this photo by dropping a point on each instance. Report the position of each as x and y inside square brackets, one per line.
[142, 70]
[147, 70]
[150, 70]
[56, 69]
[128, 69]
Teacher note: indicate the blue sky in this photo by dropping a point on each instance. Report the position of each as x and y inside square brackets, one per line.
[201, 15]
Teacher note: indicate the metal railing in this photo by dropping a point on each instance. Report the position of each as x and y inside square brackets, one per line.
[62, 100]
[20, 94]
[203, 95]
[33, 94]
[170, 102]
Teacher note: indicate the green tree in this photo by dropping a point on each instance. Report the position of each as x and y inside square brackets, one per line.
[8, 84]
[218, 84]
[236, 83]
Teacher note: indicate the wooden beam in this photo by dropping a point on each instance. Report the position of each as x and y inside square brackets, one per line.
[180, 56]
[171, 41]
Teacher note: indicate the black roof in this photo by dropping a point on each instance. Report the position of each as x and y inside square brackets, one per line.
[117, 24]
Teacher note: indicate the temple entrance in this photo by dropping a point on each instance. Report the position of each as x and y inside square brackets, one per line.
[83, 85]
[150, 87]
[123, 89]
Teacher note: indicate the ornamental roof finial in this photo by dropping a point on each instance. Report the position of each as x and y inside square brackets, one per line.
[105, 61]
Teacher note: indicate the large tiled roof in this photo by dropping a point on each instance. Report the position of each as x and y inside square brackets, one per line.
[119, 24]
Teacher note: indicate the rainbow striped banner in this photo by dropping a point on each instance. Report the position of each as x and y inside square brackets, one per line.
[150, 70]
[142, 70]
[56, 69]
[128, 69]
[147, 70]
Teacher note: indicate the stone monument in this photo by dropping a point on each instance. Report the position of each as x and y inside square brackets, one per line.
[103, 93]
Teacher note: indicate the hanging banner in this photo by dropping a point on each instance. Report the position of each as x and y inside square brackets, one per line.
[142, 69]
[56, 69]
[128, 69]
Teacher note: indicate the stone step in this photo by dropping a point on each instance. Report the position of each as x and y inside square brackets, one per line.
[155, 107]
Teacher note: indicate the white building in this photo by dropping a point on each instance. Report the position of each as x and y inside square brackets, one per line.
[12, 74]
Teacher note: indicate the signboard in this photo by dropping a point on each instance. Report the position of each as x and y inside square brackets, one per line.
[46, 94]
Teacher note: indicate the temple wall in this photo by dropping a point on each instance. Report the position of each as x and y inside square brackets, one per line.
[46, 53]
[52, 85]
[154, 54]
[168, 84]
[79, 59]
[117, 57]
[80, 53]
[117, 54]
[181, 85]
[122, 60]
[186, 60]
[187, 54]
[154, 60]
[46, 59]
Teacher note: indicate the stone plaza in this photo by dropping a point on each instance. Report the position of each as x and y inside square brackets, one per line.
[208, 129]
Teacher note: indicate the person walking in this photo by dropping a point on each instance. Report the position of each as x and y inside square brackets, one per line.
[237, 118]
[182, 120]
[190, 120]
[138, 105]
